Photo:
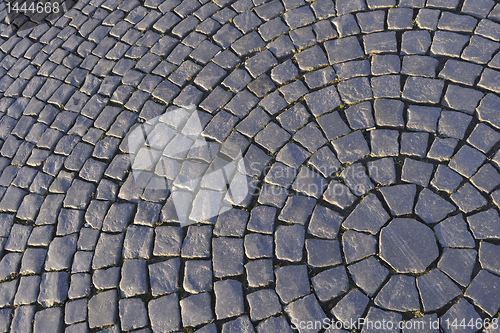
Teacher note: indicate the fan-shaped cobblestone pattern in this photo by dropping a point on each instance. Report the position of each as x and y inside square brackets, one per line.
[371, 128]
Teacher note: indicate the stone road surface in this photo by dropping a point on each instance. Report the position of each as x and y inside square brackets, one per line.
[373, 129]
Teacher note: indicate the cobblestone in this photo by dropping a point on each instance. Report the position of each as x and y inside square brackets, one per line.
[350, 115]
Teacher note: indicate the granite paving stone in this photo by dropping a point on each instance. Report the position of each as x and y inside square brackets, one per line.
[352, 117]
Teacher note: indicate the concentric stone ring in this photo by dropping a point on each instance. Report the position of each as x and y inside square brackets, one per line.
[369, 131]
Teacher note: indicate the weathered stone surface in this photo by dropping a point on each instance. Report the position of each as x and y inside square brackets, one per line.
[351, 306]
[483, 290]
[164, 313]
[305, 309]
[399, 294]
[436, 289]
[228, 299]
[408, 245]
[368, 216]
[330, 283]
[368, 275]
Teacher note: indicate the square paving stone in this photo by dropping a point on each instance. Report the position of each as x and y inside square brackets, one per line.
[302, 37]
[384, 143]
[486, 110]
[164, 277]
[417, 65]
[463, 310]
[423, 90]
[417, 172]
[273, 103]
[346, 25]
[385, 64]
[263, 303]
[258, 246]
[480, 50]
[483, 137]
[261, 86]
[227, 256]
[355, 90]
[405, 300]
[423, 118]
[380, 42]
[311, 58]
[467, 161]
[389, 112]
[282, 46]
[284, 72]
[446, 179]
[325, 162]
[344, 49]
[360, 116]
[274, 324]
[460, 72]
[416, 42]
[309, 183]
[387, 86]
[399, 198]
[197, 276]
[299, 17]
[320, 77]
[351, 147]
[382, 171]
[332, 125]
[306, 309]
[356, 179]
[259, 272]
[228, 299]
[487, 178]
[436, 289]
[196, 244]
[346, 6]
[323, 253]
[453, 124]
[196, 310]
[442, 148]
[371, 21]
[330, 283]
[414, 144]
[357, 245]
[489, 80]
[293, 118]
[323, 30]
[322, 101]
[324, 223]
[448, 44]
[292, 282]
[289, 242]
[468, 199]
[231, 223]
[164, 313]
[262, 219]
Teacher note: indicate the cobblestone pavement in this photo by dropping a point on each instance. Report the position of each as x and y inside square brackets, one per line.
[372, 128]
